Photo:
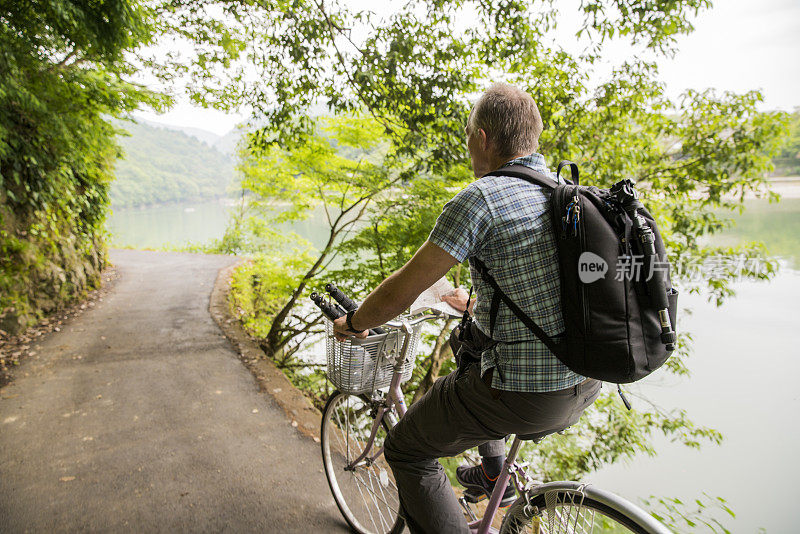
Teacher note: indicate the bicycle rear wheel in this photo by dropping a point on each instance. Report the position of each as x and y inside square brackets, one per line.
[570, 507]
[366, 494]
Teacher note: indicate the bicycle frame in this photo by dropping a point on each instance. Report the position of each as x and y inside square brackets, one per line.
[394, 398]
[484, 524]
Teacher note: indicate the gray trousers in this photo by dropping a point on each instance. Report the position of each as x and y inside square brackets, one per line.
[460, 412]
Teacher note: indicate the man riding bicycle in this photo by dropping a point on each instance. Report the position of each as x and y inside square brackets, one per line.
[514, 385]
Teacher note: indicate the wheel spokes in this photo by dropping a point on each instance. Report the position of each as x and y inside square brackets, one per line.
[367, 491]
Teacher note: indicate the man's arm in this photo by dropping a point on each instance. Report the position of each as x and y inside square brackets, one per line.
[400, 289]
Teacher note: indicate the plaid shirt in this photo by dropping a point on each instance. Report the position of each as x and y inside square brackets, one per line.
[506, 223]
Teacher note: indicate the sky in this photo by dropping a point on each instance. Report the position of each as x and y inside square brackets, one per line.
[737, 45]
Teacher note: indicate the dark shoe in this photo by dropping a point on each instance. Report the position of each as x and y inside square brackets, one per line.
[479, 486]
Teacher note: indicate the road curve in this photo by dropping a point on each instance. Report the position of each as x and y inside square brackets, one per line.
[138, 416]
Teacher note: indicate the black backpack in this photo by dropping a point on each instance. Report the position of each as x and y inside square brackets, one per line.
[618, 328]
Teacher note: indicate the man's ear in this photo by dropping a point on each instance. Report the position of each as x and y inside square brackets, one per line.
[484, 139]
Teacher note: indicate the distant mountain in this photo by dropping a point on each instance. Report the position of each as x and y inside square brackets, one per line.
[167, 165]
[229, 143]
[209, 138]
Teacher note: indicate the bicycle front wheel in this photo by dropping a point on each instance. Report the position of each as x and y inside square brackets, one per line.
[366, 493]
[571, 507]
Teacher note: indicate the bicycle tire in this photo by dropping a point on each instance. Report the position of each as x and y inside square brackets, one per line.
[366, 496]
[576, 508]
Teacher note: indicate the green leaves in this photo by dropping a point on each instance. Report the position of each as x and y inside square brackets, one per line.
[654, 23]
[260, 289]
[704, 514]
[64, 68]
[63, 32]
[411, 71]
[340, 169]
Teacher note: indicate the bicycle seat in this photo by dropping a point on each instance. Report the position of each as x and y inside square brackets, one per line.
[536, 438]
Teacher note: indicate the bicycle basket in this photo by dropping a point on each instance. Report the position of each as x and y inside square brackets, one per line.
[363, 365]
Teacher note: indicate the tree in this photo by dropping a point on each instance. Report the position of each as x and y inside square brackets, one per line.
[788, 160]
[339, 171]
[415, 71]
[64, 67]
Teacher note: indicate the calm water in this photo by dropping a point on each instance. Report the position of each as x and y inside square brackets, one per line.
[177, 224]
[168, 225]
[744, 370]
[776, 224]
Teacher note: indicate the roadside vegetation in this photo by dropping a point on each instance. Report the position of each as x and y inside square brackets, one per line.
[64, 79]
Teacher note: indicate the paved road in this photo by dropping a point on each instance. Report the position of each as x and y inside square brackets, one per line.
[138, 416]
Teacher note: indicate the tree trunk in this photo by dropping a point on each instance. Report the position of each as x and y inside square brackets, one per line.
[272, 343]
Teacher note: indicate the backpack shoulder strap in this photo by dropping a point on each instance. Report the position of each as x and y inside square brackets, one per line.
[527, 174]
[498, 295]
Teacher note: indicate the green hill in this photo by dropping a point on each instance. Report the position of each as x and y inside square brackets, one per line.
[161, 165]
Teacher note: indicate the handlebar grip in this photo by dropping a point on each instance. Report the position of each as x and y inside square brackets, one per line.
[340, 297]
[348, 304]
[331, 312]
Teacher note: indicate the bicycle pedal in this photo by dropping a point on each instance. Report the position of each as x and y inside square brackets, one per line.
[474, 499]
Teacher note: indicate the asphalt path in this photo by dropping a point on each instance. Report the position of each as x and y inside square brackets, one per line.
[138, 416]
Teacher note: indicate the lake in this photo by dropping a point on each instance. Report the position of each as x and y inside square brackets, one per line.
[169, 224]
[744, 368]
[173, 225]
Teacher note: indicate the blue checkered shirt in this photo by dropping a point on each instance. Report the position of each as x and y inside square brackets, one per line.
[506, 223]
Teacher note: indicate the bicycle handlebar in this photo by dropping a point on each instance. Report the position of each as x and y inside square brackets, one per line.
[412, 322]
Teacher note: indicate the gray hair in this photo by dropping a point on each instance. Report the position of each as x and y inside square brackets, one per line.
[510, 118]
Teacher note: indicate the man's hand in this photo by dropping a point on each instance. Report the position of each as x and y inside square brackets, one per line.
[341, 332]
[458, 299]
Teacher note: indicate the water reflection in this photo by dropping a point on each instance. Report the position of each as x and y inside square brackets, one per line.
[776, 224]
[173, 225]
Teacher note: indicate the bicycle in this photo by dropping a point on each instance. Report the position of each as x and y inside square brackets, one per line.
[368, 401]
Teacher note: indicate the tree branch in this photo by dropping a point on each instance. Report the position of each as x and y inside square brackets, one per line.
[63, 62]
[347, 68]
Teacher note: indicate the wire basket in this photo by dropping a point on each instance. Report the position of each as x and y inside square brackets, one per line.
[363, 365]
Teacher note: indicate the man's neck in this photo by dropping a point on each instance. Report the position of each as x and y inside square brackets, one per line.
[496, 163]
[506, 160]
